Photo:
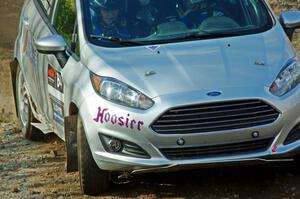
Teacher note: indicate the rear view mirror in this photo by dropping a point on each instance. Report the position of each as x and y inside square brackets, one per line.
[53, 44]
[290, 20]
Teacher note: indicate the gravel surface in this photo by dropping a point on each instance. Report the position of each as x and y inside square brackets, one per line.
[37, 170]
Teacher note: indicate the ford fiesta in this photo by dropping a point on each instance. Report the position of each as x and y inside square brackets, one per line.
[149, 85]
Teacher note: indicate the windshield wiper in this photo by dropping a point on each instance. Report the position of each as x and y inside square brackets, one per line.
[115, 39]
[207, 36]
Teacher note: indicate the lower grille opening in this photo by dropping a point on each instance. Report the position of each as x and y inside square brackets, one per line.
[239, 148]
[293, 136]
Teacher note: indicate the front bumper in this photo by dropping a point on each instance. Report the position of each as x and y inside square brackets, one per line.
[97, 115]
[111, 162]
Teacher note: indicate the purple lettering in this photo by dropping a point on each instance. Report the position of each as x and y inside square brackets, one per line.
[127, 120]
[121, 122]
[107, 117]
[132, 124]
[100, 114]
[104, 116]
[114, 119]
[140, 124]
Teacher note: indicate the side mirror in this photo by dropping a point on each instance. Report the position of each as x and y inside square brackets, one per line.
[53, 44]
[290, 20]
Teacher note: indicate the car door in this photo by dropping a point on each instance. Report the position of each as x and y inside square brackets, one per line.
[38, 18]
[62, 22]
[32, 26]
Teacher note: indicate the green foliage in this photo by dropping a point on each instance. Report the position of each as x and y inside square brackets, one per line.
[65, 19]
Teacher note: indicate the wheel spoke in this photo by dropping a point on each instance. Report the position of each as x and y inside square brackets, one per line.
[23, 101]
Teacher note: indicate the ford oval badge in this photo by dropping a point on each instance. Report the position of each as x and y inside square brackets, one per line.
[214, 93]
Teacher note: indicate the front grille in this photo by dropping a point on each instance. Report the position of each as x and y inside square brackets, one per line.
[247, 147]
[217, 116]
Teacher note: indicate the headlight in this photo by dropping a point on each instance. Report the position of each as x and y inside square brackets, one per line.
[288, 78]
[120, 93]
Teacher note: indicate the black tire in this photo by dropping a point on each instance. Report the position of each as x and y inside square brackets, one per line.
[93, 180]
[25, 115]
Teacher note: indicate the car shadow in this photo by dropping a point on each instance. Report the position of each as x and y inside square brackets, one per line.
[259, 181]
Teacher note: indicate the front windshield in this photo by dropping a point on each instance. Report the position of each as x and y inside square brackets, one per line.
[139, 22]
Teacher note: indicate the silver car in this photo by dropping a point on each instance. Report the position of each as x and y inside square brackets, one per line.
[135, 86]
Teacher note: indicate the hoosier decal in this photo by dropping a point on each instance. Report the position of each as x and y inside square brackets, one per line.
[104, 116]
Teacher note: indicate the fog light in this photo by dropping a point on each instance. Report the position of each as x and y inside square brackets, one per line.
[115, 145]
[112, 144]
[122, 147]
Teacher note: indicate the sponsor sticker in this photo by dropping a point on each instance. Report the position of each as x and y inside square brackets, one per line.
[105, 116]
[58, 110]
[59, 83]
[51, 76]
[55, 79]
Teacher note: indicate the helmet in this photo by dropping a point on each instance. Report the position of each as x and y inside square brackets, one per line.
[108, 4]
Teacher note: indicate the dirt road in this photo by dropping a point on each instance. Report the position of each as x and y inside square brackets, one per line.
[8, 29]
[37, 169]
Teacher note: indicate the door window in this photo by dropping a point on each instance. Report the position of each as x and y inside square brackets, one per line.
[48, 6]
[65, 21]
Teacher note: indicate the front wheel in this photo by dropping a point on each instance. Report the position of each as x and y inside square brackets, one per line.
[24, 109]
[93, 180]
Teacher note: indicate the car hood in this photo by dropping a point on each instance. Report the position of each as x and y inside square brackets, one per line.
[202, 65]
